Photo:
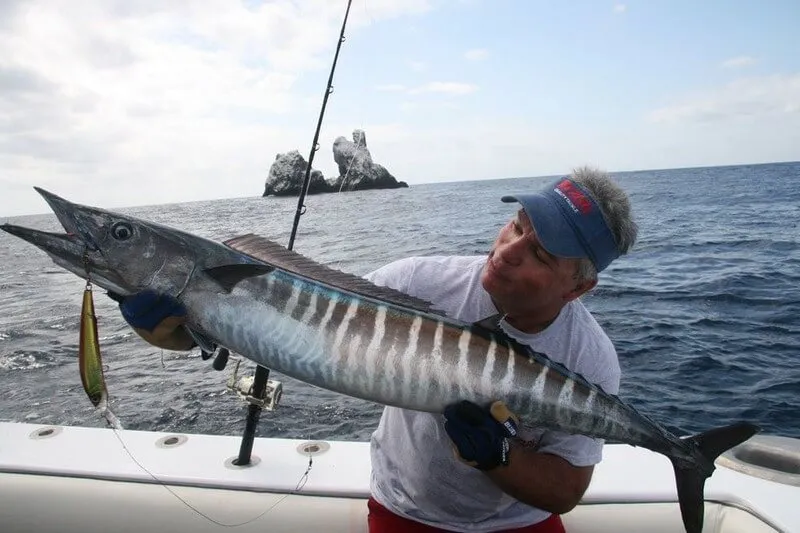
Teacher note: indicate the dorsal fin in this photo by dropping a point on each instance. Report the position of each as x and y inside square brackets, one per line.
[273, 253]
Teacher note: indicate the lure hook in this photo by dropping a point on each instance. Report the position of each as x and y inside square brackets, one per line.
[86, 268]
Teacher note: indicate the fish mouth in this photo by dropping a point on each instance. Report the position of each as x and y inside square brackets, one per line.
[66, 212]
[70, 246]
[75, 250]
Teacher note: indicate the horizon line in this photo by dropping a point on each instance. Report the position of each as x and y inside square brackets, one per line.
[611, 173]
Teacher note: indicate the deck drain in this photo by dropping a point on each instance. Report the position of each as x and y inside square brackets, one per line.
[171, 441]
[313, 448]
[45, 433]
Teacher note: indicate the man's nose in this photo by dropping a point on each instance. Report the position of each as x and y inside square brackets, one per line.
[512, 251]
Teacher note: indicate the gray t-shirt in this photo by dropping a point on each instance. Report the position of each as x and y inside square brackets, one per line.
[414, 470]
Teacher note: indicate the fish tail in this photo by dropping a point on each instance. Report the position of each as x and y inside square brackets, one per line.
[691, 478]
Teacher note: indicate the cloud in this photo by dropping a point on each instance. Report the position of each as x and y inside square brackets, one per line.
[739, 62]
[19, 81]
[746, 97]
[127, 98]
[445, 87]
[417, 66]
[620, 8]
[476, 54]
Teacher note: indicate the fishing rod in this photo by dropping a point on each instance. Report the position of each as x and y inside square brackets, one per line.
[262, 373]
[301, 208]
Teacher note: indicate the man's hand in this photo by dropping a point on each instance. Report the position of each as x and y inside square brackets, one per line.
[481, 435]
[157, 318]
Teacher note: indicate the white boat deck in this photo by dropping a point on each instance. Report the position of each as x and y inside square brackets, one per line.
[84, 478]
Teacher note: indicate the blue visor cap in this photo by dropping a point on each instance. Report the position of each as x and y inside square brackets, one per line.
[568, 223]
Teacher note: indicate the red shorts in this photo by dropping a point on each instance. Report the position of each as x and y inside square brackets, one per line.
[382, 520]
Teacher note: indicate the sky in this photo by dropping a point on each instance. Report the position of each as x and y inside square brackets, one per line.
[118, 103]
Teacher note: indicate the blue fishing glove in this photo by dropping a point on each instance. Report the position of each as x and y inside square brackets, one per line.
[481, 436]
[157, 318]
[147, 309]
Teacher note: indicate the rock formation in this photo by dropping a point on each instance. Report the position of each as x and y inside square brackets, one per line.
[287, 173]
[357, 171]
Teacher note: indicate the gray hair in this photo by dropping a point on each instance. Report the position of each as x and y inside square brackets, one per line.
[615, 208]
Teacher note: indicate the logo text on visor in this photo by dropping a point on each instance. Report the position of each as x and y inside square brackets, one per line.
[574, 197]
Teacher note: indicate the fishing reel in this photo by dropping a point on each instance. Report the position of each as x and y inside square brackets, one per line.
[243, 387]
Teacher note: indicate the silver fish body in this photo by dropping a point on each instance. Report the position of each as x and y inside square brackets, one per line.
[395, 356]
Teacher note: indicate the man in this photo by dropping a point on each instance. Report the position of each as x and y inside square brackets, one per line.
[504, 476]
[542, 261]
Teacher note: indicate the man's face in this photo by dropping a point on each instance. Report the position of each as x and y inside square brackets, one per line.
[523, 278]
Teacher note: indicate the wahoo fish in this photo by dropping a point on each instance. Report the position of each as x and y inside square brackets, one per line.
[340, 332]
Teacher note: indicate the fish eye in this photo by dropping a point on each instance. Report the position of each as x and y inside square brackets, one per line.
[121, 231]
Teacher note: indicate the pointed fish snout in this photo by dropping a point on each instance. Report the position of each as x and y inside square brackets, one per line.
[63, 209]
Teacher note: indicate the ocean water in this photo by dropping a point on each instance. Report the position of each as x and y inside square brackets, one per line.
[703, 312]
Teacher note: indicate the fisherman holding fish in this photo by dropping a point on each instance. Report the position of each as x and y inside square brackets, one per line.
[504, 476]
[518, 478]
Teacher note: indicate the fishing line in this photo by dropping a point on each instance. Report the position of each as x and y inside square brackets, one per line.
[350, 165]
[361, 121]
[300, 484]
[116, 427]
[366, 12]
[98, 395]
[337, 264]
[113, 422]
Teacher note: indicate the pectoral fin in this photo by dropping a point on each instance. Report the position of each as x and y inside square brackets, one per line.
[228, 276]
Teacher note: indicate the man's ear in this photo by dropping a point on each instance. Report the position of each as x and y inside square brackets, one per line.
[579, 288]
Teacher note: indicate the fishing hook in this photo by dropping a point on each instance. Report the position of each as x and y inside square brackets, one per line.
[86, 268]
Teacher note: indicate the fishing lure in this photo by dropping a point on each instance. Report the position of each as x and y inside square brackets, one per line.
[90, 362]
